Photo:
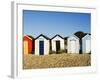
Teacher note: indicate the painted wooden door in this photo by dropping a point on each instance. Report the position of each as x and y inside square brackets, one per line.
[88, 46]
[73, 46]
[41, 47]
[57, 46]
[25, 47]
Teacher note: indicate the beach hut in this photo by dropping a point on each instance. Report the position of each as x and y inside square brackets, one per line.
[57, 43]
[42, 45]
[28, 44]
[86, 43]
[73, 44]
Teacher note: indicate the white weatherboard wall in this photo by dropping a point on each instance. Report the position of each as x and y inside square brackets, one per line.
[86, 44]
[73, 44]
[46, 45]
[53, 42]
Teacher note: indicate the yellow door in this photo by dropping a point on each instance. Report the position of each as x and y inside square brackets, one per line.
[25, 47]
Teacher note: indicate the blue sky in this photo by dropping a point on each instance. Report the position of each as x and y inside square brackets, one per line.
[52, 23]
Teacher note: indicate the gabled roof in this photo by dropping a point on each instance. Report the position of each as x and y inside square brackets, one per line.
[87, 35]
[57, 35]
[73, 36]
[43, 36]
[28, 36]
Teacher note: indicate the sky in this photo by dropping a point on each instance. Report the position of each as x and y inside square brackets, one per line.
[52, 23]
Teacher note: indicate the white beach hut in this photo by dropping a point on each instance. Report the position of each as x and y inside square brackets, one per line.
[86, 44]
[42, 45]
[57, 43]
[73, 44]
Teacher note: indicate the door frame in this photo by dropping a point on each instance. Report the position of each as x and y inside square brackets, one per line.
[41, 53]
[71, 46]
[58, 44]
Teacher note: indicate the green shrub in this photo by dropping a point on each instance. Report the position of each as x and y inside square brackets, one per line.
[58, 52]
[61, 51]
[52, 52]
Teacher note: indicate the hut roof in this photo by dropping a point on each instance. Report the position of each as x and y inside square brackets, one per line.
[29, 36]
[57, 35]
[86, 35]
[73, 36]
[42, 36]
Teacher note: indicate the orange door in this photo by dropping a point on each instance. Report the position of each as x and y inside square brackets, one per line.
[25, 47]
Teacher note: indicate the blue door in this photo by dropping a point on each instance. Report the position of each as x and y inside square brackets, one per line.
[41, 47]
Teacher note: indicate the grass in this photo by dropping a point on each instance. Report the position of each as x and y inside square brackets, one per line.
[56, 60]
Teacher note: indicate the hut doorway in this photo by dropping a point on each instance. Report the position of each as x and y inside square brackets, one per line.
[72, 46]
[41, 47]
[57, 46]
[88, 46]
[25, 47]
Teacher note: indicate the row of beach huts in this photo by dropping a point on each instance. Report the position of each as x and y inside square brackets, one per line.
[43, 45]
